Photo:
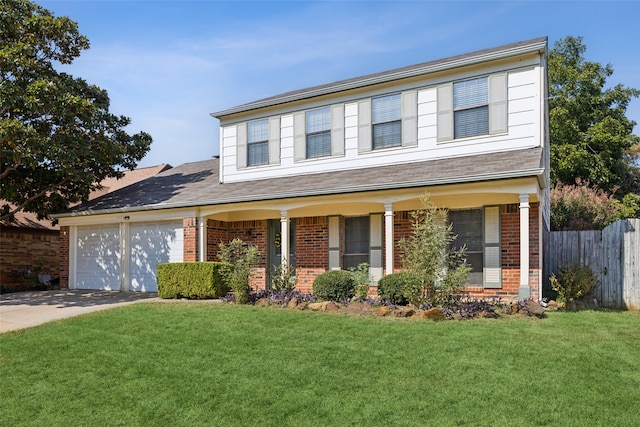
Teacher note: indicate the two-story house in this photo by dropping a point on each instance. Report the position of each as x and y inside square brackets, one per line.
[328, 176]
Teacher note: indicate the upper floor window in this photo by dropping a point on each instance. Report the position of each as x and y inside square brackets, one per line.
[258, 143]
[471, 107]
[386, 117]
[318, 133]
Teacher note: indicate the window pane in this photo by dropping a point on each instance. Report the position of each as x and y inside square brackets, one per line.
[386, 108]
[258, 153]
[356, 240]
[319, 145]
[472, 122]
[387, 135]
[318, 120]
[258, 131]
[470, 93]
[467, 225]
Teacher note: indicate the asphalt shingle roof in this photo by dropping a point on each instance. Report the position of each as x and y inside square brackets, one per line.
[197, 184]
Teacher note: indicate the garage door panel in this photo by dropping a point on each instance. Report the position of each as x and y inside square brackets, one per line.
[98, 258]
[153, 244]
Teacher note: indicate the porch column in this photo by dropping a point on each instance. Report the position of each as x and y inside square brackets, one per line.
[388, 238]
[524, 291]
[284, 239]
[202, 239]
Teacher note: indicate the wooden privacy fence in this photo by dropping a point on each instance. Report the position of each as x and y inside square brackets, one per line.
[613, 254]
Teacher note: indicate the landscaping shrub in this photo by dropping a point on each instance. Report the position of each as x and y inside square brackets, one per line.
[573, 282]
[430, 254]
[335, 285]
[240, 260]
[195, 280]
[283, 279]
[362, 278]
[392, 287]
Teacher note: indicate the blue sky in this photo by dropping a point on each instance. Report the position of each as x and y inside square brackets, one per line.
[168, 64]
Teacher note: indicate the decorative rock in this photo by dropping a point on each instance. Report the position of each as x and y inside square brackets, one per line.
[317, 306]
[263, 302]
[358, 308]
[513, 308]
[331, 306]
[553, 304]
[403, 312]
[535, 308]
[488, 314]
[293, 303]
[381, 311]
[434, 313]
[302, 305]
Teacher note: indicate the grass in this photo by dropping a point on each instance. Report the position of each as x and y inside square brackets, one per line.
[188, 364]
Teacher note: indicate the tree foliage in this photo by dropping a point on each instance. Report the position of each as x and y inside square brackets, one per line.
[58, 138]
[591, 137]
[582, 207]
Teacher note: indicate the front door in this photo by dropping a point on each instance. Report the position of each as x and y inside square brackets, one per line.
[274, 252]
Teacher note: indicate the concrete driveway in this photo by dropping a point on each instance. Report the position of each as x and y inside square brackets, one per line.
[25, 309]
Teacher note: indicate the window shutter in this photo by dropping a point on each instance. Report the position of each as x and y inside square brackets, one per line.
[445, 112]
[409, 118]
[492, 262]
[334, 243]
[337, 130]
[274, 140]
[364, 126]
[241, 145]
[375, 246]
[299, 137]
[498, 103]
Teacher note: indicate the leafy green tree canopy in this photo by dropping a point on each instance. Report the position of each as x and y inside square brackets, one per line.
[58, 139]
[591, 137]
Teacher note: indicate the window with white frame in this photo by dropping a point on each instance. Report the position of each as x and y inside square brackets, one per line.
[386, 117]
[468, 227]
[258, 143]
[318, 133]
[471, 107]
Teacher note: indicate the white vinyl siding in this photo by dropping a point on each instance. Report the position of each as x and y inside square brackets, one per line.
[152, 244]
[98, 263]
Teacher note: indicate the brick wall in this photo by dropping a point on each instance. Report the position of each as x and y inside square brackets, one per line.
[190, 250]
[216, 233]
[312, 250]
[253, 233]
[64, 257]
[24, 249]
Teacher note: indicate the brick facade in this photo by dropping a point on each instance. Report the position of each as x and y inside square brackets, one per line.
[312, 248]
[64, 256]
[190, 239]
[27, 250]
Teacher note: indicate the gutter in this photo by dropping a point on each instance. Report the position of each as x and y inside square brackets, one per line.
[307, 193]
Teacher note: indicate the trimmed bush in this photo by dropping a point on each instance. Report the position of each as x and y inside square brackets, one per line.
[335, 285]
[194, 280]
[393, 287]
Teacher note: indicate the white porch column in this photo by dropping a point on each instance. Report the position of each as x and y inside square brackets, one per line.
[524, 291]
[284, 239]
[202, 239]
[388, 238]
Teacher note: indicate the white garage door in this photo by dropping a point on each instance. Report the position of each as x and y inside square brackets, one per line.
[153, 244]
[98, 258]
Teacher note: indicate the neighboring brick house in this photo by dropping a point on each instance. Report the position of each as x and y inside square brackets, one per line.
[330, 174]
[28, 244]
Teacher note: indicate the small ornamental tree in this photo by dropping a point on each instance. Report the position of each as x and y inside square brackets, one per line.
[240, 261]
[429, 255]
[582, 207]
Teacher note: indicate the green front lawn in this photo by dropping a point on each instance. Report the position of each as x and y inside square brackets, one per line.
[188, 364]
